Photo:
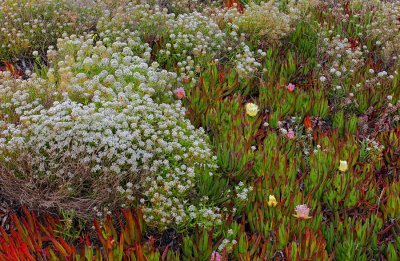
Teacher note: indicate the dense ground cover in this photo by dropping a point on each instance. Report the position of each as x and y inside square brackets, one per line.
[199, 130]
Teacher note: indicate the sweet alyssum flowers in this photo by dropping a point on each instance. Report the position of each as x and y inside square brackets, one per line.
[128, 131]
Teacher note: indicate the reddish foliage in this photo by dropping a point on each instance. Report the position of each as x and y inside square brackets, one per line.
[8, 67]
[307, 123]
[231, 3]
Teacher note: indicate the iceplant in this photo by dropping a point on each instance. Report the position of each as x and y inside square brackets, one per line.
[251, 109]
[343, 166]
[290, 87]
[215, 256]
[272, 201]
[302, 212]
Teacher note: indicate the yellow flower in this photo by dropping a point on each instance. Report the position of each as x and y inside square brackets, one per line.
[251, 109]
[272, 201]
[343, 167]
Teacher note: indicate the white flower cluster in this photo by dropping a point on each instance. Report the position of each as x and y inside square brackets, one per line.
[246, 64]
[149, 21]
[339, 60]
[18, 96]
[110, 69]
[187, 42]
[185, 39]
[371, 150]
[374, 145]
[384, 27]
[205, 216]
[150, 145]
[101, 115]
[34, 25]
[242, 192]
[260, 24]
[227, 244]
[229, 241]
[377, 22]
[265, 21]
[335, 10]
[194, 36]
[182, 6]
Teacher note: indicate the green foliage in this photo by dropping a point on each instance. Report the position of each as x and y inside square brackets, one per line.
[322, 134]
[33, 25]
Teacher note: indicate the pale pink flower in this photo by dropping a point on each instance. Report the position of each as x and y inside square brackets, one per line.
[290, 87]
[302, 211]
[290, 134]
[215, 256]
[180, 93]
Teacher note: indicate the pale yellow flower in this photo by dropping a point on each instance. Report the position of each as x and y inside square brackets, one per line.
[343, 167]
[272, 201]
[251, 109]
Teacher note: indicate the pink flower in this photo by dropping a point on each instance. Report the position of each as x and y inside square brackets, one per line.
[290, 134]
[215, 256]
[290, 87]
[302, 211]
[180, 93]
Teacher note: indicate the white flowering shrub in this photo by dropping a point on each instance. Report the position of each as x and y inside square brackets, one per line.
[245, 61]
[189, 41]
[143, 143]
[182, 41]
[384, 29]
[102, 123]
[259, 25]
[110, 69]
[376, 22]
[339, 60]
[18, 96]
[149, 21]
[34, 25]
[346, 70]
[179, 6]
[101, 103]
[265, 23]
[192, 39]
[173, 6]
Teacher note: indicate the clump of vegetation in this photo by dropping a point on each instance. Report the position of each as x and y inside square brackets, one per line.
[30, 26]
[234, 130]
